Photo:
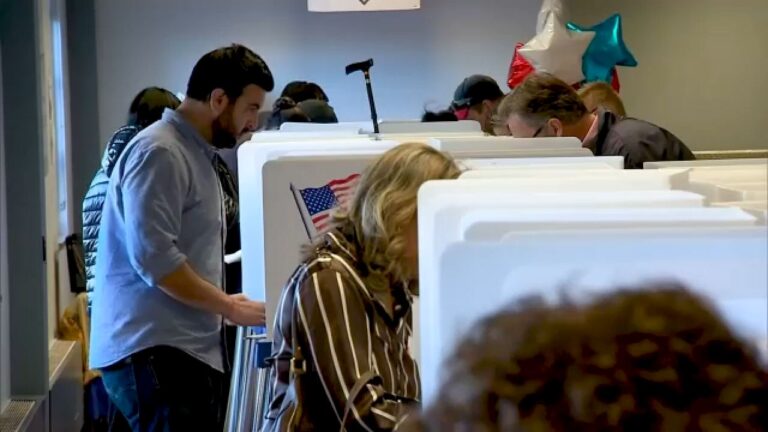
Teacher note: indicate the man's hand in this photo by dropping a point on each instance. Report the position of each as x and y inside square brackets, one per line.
[245, 312]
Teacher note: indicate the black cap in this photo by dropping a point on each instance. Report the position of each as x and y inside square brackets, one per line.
[475, 89]
[318, 111]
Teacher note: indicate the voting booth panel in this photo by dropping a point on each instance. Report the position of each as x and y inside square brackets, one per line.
[410, 127]
[292, 136]
[519, 153]
[759, 209]
[476, 278]
[667, 178]
[287, 226]
[590, 162]
[443, 203]
[494, 224]
[348, 127]
[448, 210]
[287, 221]
[454, 143]
[706, 163]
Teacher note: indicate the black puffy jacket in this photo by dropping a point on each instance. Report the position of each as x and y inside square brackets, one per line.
[93, 202]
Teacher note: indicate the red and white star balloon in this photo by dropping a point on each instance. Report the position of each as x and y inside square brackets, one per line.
[557, 50]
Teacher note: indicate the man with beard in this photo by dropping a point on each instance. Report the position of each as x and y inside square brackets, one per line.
[159, 307]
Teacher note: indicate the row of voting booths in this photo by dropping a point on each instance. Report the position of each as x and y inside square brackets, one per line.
[536, 216]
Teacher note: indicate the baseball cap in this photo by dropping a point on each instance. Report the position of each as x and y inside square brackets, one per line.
[318, 111]
[475, 89]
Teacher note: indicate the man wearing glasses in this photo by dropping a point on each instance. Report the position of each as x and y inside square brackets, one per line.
[544, 106]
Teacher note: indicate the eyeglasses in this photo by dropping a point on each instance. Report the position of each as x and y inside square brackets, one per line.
[540, 129]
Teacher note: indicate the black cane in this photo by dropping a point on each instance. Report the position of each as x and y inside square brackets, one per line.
[365, 68]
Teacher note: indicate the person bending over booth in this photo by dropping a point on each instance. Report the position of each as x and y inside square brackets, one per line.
[343, 324]
[545, 106]
[476, 98]
[600, 95]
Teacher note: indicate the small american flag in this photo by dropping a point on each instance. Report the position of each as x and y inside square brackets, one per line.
[322, 201]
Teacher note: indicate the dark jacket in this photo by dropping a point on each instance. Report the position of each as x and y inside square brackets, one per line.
[637, 140]
[352, 332]
[94, 200]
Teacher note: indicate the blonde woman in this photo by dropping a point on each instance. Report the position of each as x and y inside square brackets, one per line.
[341, 335]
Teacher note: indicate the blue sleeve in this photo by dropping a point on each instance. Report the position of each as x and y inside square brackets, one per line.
[154, 184]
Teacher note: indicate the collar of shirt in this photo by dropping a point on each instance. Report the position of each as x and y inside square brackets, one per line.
[189, 133]
[591, 136]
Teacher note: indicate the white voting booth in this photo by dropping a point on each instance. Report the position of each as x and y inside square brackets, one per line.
[409, 127]
[451, 143]
[499, 234]
[331, 153]
[739, 183]
[476, 278]
[388, 127]
[529, 216]
[273, 170]
[528, 163]
[347, 127]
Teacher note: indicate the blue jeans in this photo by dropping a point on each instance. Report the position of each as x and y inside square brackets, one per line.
[163, 389]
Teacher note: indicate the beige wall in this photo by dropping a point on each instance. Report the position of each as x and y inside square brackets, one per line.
[703, 70]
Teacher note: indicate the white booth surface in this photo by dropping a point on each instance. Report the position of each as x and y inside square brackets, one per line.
[494, 224]
[350, 127]
[521, 153]
[728, 175]
[407, 127]
[493, 143]
[476, 278]
[725, 180]
[427, 137]
[286, 136]
[668, 178]
[757, 208]
[706, 163]
[591, 162]
[742, 192]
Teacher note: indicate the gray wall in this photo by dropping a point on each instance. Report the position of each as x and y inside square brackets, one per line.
[24, 194]
[421, 56]
[84, 100]
[701, 61]
[702, 66]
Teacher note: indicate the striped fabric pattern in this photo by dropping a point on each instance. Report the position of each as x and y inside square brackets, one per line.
[344, 330]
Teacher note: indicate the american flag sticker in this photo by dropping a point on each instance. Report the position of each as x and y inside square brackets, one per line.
[317, 204]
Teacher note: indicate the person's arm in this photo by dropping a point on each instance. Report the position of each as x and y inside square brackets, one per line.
[153, 188]
[332, 314]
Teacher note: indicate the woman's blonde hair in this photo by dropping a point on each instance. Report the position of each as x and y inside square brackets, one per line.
[384, 204]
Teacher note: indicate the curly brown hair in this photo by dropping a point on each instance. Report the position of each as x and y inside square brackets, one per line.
[647, 359]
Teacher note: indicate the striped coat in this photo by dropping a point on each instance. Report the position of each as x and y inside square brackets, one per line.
[345, 328]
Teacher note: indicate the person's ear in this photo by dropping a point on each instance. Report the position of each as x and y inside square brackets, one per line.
[218, 101]
[488, 107]
[557, 127]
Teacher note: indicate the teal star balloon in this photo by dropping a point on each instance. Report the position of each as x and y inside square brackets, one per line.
[606, 50]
